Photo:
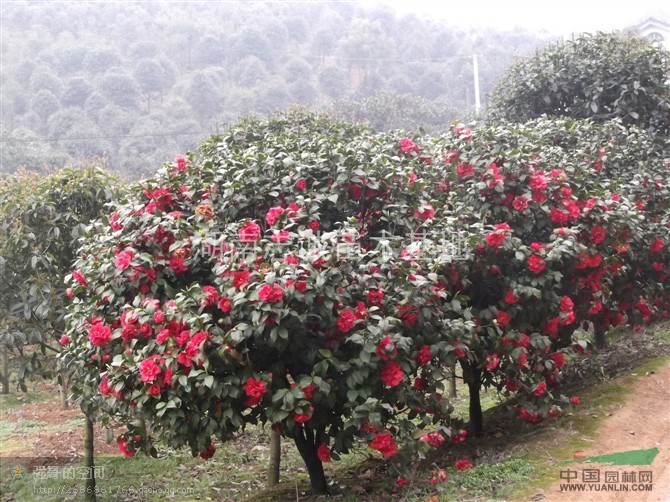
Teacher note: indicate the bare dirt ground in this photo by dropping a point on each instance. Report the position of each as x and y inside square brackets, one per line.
[643, 422]
[45, 434]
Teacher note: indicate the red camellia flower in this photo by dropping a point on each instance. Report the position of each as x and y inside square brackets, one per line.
[520, 203]
[510, 297]
[64, 340]
[392, 374]
[386, 349]
[240, 279]
[301, 185]
[303, 417]
[567, 304]
[575, 400]
[425, 212]
[346, 320]
[541, 389]
[212, 296]
[314, 225]
[309, 391]
[323, 452]
[408, 146]
[122, 260]
[400, 481]
[495, 239]
[437, 477]
[559, 359]
[81, 280]
[271, 293]
[225, 305]
[503, 318]
[539, 196]
[375, 298]
[492, 361]
[250, 232]
[300, 285]
[598, 234]
[656, 246]
[159, 317]
[551, 328]
[465, 170]
[255, 389]
[463, 465]
[384, 444]
[558, 216]
[208, 453]
[149, 370]
[177, 264]
[536, 264]
[280, 236]
[99, 334]
[273, 215]
[434, 439]
[154, 390]
[114, 222]
[423, 356]
[420, 384]
[538, 181]
[104, 386]
[123, 447]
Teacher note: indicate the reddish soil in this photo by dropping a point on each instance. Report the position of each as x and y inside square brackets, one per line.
[642, 423]
[57, 439]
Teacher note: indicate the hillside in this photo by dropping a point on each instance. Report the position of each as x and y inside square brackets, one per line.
[137, 83]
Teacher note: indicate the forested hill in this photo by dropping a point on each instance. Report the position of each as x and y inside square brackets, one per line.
[136, 83]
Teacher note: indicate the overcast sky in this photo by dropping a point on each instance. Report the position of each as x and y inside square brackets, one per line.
[560, 17]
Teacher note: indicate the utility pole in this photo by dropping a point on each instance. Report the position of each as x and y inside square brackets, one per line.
[475, 69]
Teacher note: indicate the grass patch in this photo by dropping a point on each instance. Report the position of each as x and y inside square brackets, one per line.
[20, 427]
[18, 399]
[489, 480]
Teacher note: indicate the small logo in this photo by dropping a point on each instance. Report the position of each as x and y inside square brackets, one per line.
[17, 471]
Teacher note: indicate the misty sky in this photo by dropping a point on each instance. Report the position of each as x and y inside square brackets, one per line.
[560, 17]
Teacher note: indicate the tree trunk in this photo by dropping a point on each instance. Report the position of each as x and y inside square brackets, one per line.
[62, 380]
[5, 371]
[599, 335]
[275, 458]
[89, 496]
[452, 382]
[473, 377]
[307, 448]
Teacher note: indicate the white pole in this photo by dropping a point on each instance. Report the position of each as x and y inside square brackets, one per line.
[475, 68]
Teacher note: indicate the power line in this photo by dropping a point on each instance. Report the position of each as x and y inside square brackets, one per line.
[120, 136]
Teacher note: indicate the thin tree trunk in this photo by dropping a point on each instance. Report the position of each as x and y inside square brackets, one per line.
[305, 443]
[62, 380]
[89, 496]
[452, 382]
[473, 378]
[599, 335]
[5, 371]
[275, 458]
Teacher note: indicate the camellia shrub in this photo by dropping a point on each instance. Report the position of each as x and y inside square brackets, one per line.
[320, 278]
[602, 77]
[41, 218]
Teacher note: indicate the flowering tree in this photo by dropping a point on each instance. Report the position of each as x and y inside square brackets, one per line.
[573, 209]
[319, 278]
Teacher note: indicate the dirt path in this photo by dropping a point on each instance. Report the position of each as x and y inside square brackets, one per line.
[642, 423]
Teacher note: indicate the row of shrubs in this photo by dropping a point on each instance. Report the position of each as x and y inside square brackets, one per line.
[322, 278]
